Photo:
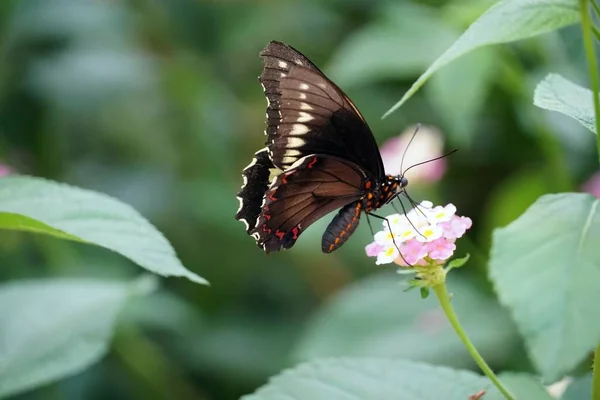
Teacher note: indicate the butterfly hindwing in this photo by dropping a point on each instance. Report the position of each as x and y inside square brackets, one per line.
[256, 182]
[313, 187]
[309, 114]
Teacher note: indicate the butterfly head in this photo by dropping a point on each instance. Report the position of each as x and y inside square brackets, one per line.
[402, 182]
[397, 183]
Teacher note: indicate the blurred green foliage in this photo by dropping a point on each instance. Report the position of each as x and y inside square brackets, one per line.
[157, 103]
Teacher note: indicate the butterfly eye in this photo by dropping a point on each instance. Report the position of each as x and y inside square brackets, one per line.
[403, 183]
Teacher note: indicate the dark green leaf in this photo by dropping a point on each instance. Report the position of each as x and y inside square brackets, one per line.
[376, 318]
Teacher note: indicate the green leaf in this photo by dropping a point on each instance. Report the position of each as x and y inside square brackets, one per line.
[407, 326]
[457, 262]
[400, 43]
[52, 329]
[580, 388]
[523, 386]
[43, 206]
[546, 267]
[370, 378]
[556, 93]
[504, 22]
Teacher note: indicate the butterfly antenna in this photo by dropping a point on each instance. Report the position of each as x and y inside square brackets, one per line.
[428, 161]
[407, 146]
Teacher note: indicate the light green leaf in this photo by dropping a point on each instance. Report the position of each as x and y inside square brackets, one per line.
[370, 378]
[43, 206]
[400, 43]
[523, 386]
[580, 388]
[407, 326]
[506, 21]
[52, 329]
[556, 93]
[546, 268]
[457, 262]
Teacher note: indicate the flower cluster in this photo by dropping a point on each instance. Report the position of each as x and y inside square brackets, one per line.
[425, 236]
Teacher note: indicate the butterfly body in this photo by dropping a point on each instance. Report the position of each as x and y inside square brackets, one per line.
[320, 156]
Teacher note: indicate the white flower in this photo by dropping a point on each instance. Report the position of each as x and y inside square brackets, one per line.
[418, 217]
[429, 233]
[404, 232]
[442, 214]
[385, 238]
[388, 255]
[394, 220]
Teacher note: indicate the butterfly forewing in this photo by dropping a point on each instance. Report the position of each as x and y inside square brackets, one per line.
[308, 114]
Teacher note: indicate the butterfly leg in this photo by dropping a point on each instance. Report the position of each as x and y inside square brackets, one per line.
[370, 226]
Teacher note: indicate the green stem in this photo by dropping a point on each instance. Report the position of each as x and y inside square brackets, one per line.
[444, 299]
[596, 32]
[596, 379]
[586, 27]
[595, 5]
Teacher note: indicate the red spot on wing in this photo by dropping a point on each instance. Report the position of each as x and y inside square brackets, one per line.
[295, 232]
[271, 196]
[312, 163]
[279, 234]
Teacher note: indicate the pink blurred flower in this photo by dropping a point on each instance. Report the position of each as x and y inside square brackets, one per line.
[456, 227]
[440, 249]
[427, 144]
[373, 249]
[5, 170]
[592, 185]
[413, 251]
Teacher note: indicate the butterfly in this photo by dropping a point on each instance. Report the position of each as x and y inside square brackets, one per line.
[320, 156]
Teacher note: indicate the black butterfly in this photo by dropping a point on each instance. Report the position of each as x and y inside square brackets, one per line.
[321, 154]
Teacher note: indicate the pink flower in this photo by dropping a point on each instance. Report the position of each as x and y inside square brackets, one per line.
[440, 249]
[5, 170]
[456, 227]
[432, 243]
[427, 144]
[413, 251]
[373, 249]
[592, 185]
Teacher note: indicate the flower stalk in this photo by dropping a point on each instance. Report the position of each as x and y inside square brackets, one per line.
[444, 299]
[596, 376]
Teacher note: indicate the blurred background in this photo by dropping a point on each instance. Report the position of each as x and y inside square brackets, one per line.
[157, 103]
